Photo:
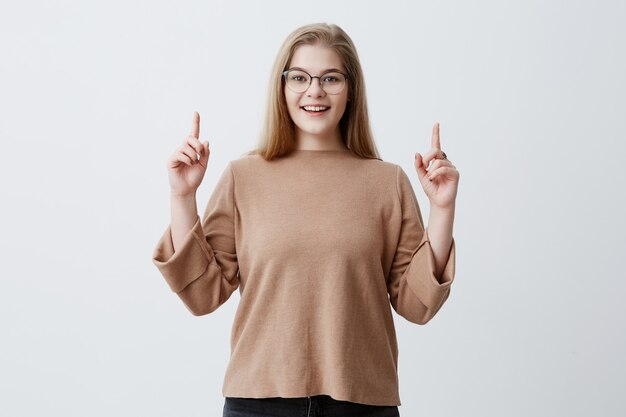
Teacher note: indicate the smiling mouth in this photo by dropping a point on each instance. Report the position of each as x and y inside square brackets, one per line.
[315, 109]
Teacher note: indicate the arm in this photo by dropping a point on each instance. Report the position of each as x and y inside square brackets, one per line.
[202, 268]
[440, 223]
[416, 289]
[184, 213]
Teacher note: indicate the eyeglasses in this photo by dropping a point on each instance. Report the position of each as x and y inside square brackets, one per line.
[298, 81]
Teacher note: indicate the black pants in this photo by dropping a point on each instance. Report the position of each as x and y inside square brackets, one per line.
[314, 406]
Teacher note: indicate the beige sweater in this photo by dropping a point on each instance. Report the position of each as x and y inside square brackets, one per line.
[321, 245]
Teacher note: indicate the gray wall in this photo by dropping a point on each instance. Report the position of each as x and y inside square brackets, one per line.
[94, 97]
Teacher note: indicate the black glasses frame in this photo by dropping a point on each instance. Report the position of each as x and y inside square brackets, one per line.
[319, 78]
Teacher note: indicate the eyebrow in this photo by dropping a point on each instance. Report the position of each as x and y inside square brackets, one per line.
[323, 72]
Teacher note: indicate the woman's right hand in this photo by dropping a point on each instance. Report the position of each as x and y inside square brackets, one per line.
[184, 169]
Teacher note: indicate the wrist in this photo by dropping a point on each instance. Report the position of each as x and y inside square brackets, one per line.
[443, 209]
[183, 197]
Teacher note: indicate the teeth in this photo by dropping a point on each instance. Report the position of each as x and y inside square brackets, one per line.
[315, 108]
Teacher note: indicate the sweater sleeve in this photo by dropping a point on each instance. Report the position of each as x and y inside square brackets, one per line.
[414, 291]
[204, 271]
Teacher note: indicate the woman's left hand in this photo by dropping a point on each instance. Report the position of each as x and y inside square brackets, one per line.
[441, 180]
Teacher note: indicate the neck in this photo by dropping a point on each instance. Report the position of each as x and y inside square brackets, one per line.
[322, 142]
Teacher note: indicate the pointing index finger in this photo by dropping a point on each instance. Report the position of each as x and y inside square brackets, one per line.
[195, 125]
[436, 141]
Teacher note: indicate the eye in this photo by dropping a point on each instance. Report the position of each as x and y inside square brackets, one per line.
[297, 77]
[332, 78]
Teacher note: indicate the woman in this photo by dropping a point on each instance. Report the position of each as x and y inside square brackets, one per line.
[320, 236]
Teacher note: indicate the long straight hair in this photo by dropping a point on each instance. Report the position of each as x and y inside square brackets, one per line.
[278, 133]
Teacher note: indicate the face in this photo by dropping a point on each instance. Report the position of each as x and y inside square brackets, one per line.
[324, 125]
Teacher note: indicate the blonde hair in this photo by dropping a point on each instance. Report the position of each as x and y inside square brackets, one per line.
[277, 136]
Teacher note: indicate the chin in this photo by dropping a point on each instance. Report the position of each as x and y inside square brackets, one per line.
[314, 131]
[316, 128]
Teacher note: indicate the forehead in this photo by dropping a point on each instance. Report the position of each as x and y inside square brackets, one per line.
[315, 58]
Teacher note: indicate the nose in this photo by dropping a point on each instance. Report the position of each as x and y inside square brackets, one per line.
[315, 88]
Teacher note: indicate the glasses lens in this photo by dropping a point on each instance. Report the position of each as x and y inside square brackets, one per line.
[297, 81]
[333, 82]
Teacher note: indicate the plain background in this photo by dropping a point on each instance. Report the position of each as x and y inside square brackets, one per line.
[95, 96]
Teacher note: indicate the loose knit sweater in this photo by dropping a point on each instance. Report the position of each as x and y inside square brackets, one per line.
[321, 245]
